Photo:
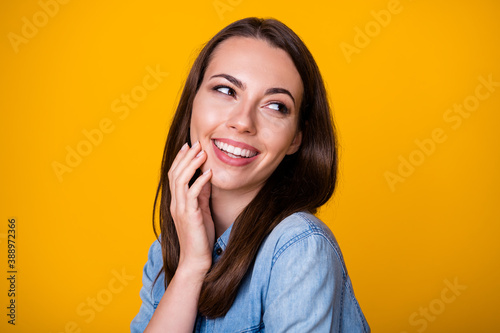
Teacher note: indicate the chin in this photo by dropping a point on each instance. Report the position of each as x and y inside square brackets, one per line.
[222, 179]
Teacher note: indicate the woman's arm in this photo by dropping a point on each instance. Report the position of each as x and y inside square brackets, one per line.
[190, 211]
[305, 288]
[309, 289]
[177, 309]
[149, 291]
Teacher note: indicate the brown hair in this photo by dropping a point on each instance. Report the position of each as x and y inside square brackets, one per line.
[302, 182]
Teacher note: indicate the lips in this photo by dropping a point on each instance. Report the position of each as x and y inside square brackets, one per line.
[233, 152]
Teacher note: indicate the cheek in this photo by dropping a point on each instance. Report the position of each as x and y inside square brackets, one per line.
[278, 135]
[205, 119]
[202, 124]
[197, 120]
[212, 117]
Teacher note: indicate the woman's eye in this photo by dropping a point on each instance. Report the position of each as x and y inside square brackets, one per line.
[278, 107]
[225, 90]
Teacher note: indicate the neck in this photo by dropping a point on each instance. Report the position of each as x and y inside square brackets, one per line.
[226, 206]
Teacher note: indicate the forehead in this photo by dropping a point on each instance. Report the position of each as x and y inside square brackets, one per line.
[255, 61]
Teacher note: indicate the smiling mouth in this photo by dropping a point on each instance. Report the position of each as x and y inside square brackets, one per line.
[234, 152]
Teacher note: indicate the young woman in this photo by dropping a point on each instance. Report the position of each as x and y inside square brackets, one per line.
[249, 158]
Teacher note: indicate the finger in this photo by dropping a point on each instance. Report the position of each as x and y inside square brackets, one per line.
[179, 156]
[183, 158]
[172, 174]
[199, 193]
[181, 182]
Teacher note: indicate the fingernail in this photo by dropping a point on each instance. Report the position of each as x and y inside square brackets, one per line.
[196, 144]
[200, 153]
[207, 171]
[184, 147]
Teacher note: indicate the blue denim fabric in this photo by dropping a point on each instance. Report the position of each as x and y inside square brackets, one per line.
[298, 283]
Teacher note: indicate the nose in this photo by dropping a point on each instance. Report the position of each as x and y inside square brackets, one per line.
[242, 117]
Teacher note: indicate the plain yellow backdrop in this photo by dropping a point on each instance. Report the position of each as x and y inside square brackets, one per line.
[415, 88]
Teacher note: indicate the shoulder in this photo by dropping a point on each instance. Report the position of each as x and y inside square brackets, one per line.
[151, 292]
[300, 266]
[303, 233]
[302, 223]
[155, 254]
[153, 267]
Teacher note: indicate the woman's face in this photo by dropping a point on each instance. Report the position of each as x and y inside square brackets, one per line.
[245, 113]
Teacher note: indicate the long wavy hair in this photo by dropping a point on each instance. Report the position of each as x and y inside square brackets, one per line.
[303, 181]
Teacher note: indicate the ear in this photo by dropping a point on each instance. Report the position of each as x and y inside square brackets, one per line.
[295, 145]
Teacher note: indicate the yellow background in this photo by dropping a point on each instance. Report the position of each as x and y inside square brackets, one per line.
[402, 242]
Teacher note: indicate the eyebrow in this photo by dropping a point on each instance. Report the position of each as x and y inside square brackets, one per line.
[242, 86]
[271, 91]
[231, 79]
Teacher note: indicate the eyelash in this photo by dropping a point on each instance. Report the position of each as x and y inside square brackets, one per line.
[231, 90]
[282, 108]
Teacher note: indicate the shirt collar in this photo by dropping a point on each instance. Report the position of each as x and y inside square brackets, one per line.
[224, 238]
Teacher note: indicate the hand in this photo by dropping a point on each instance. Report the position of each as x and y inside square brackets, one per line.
[191, 211]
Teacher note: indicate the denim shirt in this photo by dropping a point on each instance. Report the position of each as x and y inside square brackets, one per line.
[298, 283]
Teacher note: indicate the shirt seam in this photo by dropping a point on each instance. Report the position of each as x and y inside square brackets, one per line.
[358, 309]
[303, 236]
[252, 328]
[312, 230]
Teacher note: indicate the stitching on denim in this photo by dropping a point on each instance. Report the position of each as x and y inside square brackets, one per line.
[332, 243]
[342, 297]
[221, 243]
[156, 247]
[313, 229]
[316, 230]
[255, 328]
[291, 242]
[358, 308]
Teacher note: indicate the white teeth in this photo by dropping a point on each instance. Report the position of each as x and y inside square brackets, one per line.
[235, 152]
